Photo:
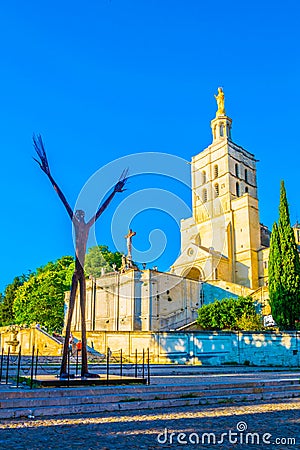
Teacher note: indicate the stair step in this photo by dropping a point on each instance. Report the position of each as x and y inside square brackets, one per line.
[16, 403]
[103, 390]
[147, 394]
[42, 411]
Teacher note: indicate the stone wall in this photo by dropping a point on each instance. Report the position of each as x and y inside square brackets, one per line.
[207, 348]
[27, 338]
[138, 300]
[193, 347]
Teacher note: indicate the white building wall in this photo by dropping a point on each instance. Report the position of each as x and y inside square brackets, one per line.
[139, 300]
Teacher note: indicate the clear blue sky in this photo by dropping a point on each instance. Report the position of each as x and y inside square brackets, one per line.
[104, 79]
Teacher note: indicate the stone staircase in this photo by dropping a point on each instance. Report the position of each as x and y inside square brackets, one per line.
[58, 402]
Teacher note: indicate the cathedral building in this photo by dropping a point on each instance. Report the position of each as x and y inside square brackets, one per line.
[224, 249]
[224, 239]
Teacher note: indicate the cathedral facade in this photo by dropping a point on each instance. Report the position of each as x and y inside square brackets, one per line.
[224, 239]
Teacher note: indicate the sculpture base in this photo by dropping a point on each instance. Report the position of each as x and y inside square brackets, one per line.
[76, 380]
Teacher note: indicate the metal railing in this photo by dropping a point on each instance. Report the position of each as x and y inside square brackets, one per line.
[23, 370]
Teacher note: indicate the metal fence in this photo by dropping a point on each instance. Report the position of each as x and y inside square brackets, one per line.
[20, 370]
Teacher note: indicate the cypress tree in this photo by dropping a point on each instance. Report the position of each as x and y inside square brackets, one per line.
[284, 269]
[274, 269]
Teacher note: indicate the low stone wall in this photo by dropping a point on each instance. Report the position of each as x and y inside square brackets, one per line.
[194, 347]
[29, 337]
[207, 348]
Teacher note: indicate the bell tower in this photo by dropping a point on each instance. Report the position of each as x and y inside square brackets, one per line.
[225, 221]
[221, 124]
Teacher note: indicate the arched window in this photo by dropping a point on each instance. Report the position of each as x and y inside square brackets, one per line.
[203, 177]
[246, 175]
[236, 170]
[216, 171]
[194, 274]
[216, 186]
[221, 130]
[237, 189]
[204, 195]
[246, 189]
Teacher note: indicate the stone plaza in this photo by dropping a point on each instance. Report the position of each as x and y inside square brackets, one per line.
[263, 424]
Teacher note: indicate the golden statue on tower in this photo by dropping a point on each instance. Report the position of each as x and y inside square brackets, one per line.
[220, 102]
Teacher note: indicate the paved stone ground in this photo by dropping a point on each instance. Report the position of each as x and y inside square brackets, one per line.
[222, 378]
[107, 431]
[225, 377]
[275, 422]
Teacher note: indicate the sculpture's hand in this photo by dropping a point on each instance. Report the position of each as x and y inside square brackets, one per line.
[40, 150]
[43, 163]
[119, 187]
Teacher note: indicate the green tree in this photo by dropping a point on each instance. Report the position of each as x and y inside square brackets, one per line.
[275, 272]
[230, 314]
[284, 269]
[41, 298]
[98, 258]
[7, 300]
[250, 322]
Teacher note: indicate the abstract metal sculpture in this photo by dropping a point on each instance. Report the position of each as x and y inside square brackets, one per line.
[82, 229]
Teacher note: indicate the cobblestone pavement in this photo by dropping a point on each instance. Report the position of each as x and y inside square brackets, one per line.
[272, 422]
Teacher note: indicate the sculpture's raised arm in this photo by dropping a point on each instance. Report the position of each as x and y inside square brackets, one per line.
[43, 163]
[119, 187]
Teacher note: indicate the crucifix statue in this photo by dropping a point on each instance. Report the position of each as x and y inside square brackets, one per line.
[82, 229]
[128, 238]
